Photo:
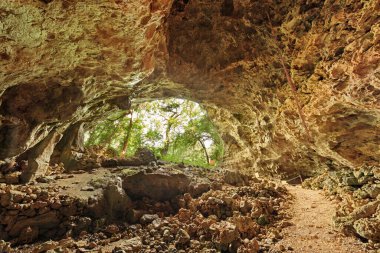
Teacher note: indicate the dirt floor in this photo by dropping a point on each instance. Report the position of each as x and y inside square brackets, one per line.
[234, 214]
[311, 231]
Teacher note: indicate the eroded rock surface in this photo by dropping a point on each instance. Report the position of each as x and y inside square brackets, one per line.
[64, 62]
[358, 196]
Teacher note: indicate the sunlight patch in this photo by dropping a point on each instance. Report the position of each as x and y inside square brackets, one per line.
[176, 130]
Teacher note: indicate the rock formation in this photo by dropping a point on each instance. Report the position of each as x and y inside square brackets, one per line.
[65, 62]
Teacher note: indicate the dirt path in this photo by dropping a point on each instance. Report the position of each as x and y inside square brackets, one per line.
[312, 230]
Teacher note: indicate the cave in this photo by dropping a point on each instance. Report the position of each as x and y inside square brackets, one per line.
[292, 87]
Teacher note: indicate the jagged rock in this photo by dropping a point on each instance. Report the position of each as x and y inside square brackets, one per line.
[148, 218]
[235, 178]
[134, 243]
[368, 228]
[112, 229]
[197, 188]
[43, 221]
[46, 246]
[117, 200]
[184, 215]
[133, 216]
[12, 178]
[182, 237]
[81, 224]
[365, 211]
[142, 156]
[246, 226]
[5, 246]
[351, 181]
[39, 157]
[250, 247]
[224, 233]
[373, 190]
[156, 186]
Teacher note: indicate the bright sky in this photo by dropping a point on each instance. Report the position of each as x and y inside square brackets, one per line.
[155, 119]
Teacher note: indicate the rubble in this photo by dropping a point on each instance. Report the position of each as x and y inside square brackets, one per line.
[224, 218]
[358, 196]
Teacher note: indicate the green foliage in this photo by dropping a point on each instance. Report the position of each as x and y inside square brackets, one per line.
[174, 129]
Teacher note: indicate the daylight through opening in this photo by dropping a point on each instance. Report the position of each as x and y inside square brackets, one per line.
[175, 130]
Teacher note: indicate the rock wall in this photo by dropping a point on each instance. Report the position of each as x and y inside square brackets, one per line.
[64, 62]
[331, 51]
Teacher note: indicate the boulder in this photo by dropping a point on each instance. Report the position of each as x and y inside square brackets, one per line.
[368, 228]
[148, 218]
[47, 220]
[198, 187]
[373, 190]
[117, 202]
[159, 186]
[143, 156]
[224, 233]
[235, 178]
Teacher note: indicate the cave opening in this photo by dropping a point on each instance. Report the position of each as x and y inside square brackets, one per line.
[174, 130]
[293, 90]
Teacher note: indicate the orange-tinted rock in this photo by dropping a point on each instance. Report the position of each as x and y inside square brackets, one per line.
[56, 70]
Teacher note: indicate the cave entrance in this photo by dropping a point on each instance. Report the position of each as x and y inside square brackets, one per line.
[175, 130]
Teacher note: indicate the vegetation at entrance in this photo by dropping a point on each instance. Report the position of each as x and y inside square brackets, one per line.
[175, 130]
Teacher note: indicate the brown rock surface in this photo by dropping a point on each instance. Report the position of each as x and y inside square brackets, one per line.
[64, 62]
[156, 185]
[217, 220]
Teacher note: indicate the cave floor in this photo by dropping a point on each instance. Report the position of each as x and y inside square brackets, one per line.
[79, 185]
[251, 214]
[311, 216]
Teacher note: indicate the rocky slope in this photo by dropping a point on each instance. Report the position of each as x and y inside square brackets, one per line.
[66, 63]
[358, 197]
[175, 208]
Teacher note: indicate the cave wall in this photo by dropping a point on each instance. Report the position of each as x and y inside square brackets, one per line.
[68, 61]
[332, 51]
[64, 62]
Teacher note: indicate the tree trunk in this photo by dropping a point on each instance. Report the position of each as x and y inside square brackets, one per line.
[165, 150]
[126, 140]
[205, 150]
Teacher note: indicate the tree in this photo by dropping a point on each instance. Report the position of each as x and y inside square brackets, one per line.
[177, 130]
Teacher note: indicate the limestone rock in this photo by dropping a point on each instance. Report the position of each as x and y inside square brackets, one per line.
[157, 186]
[39, 157]
[116, 199]
[148, 218]
[12, 178]
[143, 156]
[182, 237]
[199, 186]
[226, 233]
[5, 246]
[221, 54]
[235, 178]
[373, 190]
[133, 243]
[43, 221]
[368, 228]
